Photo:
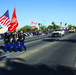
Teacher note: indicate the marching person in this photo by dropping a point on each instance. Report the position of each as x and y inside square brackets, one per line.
[22, 38]
[11, 41]
[6, 41]
[16, 40]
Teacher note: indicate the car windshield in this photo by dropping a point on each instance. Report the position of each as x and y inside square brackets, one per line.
[57, 30]
[71, 29]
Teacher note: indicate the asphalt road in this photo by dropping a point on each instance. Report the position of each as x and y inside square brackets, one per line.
[45, 55]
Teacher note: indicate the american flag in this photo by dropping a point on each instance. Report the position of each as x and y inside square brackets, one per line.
[4, 19]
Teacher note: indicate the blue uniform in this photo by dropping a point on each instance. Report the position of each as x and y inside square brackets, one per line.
[16, 40]
[6, 41]
[11, 41]
[22, 37]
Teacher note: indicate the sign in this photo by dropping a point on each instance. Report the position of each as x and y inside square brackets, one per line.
[33, 24]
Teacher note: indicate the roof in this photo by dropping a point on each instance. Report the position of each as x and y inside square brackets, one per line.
[3, 30]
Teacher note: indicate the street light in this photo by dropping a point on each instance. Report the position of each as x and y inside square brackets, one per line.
[43, 17]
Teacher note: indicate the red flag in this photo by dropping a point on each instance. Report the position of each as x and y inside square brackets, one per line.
[13, 23]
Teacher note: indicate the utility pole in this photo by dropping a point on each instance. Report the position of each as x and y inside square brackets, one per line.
[43, 17]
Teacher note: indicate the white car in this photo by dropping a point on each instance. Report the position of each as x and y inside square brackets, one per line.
[58, 32]
[72, 30]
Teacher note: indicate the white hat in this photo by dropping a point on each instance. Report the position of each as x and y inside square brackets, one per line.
[21, 31]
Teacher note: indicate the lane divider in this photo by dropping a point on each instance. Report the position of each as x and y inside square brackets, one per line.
[35, 51]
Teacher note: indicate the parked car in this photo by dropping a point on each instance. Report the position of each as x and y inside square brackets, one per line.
[58, 32]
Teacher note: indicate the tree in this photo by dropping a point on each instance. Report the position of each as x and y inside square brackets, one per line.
[39, 25]
[28, 28]
[0, 27]
[42, 27]
[65, 24]
[50, 27]
[69, 26]
[23, 29]
[34, 29]
[60, 23]
[74, 27]
[55, 26]
[46, 28]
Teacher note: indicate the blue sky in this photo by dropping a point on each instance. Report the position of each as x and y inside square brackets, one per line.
[34, 10]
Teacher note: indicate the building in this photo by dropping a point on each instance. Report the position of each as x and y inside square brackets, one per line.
[3, 30]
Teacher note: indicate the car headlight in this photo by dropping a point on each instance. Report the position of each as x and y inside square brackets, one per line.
[59, 33]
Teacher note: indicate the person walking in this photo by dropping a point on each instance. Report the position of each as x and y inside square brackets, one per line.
[11, 44]
[16, 40]
[22, 38]
[6, 41]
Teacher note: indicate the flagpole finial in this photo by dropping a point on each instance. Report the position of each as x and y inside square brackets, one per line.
[14, 6]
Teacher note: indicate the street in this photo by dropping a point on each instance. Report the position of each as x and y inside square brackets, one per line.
[45, 55]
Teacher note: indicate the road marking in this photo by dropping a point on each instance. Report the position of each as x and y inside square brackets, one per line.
[35, 51]
[33, 41]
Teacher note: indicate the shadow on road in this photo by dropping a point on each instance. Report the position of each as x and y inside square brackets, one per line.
[0, 53]
[2, 47]
[64, 40]
[17, 68]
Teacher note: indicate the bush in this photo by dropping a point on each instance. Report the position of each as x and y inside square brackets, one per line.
[23, 29]
[34, 29]
[28, 28]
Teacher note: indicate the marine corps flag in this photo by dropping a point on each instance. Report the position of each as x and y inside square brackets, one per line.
[13, 23]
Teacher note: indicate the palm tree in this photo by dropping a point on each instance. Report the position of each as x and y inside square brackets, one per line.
[54, 26]
[65, 24]
[52, 23]
[60, 23]
[39, 25]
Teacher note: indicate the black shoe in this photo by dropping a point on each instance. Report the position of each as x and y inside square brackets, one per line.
[20, 51]
[10, 51]
[15, 51]
[5, 51]
[25, 48]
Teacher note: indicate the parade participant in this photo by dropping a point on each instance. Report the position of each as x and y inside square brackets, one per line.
[11, 41]
[18, 35]
[22, 38]
[6, 41]
[16, 40]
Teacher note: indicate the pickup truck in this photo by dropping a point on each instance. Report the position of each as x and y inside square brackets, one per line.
[71, 30]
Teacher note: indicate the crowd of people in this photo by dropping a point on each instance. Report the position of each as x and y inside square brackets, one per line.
[15, 40]
[36, 33]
